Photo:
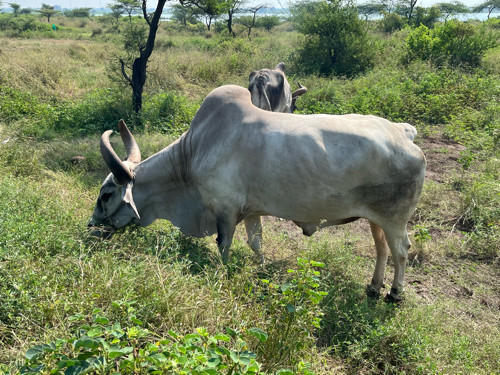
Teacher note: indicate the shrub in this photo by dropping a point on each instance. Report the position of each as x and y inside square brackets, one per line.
[294, 314]
[168, 113]
[268, 22]
[336, 39]
[392, 22]
[106, 347]
[99, 110]
[455, 43]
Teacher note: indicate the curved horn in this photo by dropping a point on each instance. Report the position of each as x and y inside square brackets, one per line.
[120, 171]
[133, 152]
[301, 91]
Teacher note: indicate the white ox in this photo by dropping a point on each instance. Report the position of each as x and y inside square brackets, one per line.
[238, 162]
[270, 90]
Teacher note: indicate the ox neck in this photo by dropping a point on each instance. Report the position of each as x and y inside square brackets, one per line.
[161, 186]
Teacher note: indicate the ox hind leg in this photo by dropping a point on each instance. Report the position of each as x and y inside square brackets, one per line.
[382, 249]
[253, 227]
[399, 244]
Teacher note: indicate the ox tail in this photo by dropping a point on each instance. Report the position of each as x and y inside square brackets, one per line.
[263, 93]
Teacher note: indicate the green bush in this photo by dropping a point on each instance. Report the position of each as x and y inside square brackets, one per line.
[336, 39]
[99, 111]
[392, 22]
[455, 43]
[168, 113]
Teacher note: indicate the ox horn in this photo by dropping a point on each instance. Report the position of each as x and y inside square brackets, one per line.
[120, 171]
[301, 91]
[133, 152]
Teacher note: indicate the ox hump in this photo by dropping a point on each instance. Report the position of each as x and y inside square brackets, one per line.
[228, 93]
[409, 131]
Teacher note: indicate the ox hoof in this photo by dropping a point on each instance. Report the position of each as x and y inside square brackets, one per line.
[371, 292]
[395, 299]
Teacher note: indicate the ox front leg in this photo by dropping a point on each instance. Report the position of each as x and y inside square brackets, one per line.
[399, 244]
[382, 248]
[253, 226]
[225, 232]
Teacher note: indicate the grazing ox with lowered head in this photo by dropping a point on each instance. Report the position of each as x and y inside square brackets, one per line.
[271, 91]
[238, 162]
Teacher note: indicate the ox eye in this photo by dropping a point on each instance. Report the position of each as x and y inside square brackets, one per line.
[105, 197]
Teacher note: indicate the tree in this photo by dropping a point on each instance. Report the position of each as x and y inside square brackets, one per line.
[490, 5]
[184, 15]
[134, 68]
[426, 16]
[388, 5]
[210, 8]
[370, 9]
[405, 8]
[232, 7]
[126, 6]
[336, 38]
[268, 22]
[249, 21]
[15, 7]
[452, 9]
[82, 13]
[48, 11]
[116, 11]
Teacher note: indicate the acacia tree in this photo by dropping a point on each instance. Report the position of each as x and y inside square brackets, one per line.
[210, 8]
[233, 7]
[184, 15]
[369, 9]
[491, 5]
[452, 9]
[82, 13]
[15, 7]
[249, 21]
[405, 8]
[48, 11]
[139, 47]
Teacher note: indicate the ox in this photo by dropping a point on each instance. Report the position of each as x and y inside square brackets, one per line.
[238, 162]
[271, 91]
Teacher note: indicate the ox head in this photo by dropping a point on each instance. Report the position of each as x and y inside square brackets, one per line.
[115, 206]
[271, 91]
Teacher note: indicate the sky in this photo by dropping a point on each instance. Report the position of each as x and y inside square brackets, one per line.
[104, 3]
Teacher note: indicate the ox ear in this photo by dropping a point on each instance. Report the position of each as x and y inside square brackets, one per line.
[129, 199]
[252, 76]
[280, 66]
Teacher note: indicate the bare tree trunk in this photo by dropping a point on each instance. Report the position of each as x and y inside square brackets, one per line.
[230, 23]
[139, 67]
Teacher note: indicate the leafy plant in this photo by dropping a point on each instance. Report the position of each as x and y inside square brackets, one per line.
[421, 233]
[336, 39]
[456, 43]
[294, 313]
[109, 347]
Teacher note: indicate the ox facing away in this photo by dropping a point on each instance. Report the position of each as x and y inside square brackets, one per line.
[238, 162]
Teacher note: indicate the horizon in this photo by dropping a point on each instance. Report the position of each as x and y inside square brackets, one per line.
[96, 4]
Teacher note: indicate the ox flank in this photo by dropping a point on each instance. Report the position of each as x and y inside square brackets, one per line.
[238, 162]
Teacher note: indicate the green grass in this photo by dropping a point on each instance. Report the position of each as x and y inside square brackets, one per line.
[57, 283]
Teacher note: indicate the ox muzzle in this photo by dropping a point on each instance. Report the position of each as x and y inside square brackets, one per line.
[100, 230]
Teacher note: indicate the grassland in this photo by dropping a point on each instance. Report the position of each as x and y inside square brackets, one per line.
[58, 92]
